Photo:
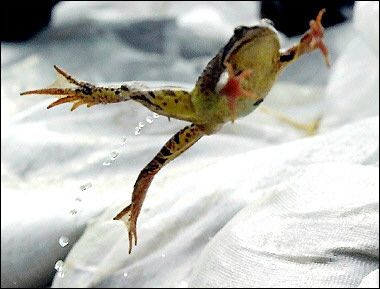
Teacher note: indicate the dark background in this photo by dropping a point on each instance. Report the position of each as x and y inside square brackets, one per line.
[21, 20]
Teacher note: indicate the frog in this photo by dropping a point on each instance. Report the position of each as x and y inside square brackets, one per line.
[232, 85]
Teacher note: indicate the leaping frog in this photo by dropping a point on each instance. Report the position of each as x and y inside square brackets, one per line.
[233, 84]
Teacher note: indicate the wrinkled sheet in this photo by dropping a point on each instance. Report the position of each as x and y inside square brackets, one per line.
[48, 155]
[314, 229]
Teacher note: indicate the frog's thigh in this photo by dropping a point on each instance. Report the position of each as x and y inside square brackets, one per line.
[171, 103]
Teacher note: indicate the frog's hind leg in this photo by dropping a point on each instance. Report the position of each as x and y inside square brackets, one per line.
[180, 142]
[167, 101]
[310, 128]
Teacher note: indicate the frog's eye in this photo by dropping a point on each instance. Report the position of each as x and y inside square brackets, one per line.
[240, 30]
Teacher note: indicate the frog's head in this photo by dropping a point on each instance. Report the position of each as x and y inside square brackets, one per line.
[249, 41]
[254, 48]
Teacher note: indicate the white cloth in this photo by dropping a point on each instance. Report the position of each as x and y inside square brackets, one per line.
[192, 207]
[371, 280]
[319, 228]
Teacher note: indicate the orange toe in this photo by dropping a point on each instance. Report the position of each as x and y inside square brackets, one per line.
[233, 88]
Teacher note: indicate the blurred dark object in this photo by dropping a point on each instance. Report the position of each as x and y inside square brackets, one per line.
[292, 17]
[21, 20]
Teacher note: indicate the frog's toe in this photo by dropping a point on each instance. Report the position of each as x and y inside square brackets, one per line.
[314, 37]
[129, 217]
[132, 234]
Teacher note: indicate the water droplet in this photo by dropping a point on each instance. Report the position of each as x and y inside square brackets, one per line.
[107, 163]
[59, 265]
[141, 124]
[63, 241]
[137, 130]
[73, 212]
[61, 274]
[85, 186]
[114, 155]
[125, 274]
[163, 255]
[78, 199]
[123, 140]
[156, 115]
[149, 119]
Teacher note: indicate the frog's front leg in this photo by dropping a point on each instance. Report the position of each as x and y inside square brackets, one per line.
[311, 40]
[180, 142]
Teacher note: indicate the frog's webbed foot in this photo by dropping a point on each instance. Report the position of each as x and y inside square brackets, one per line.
[129, 216]
[68, 89]
[313, 38]
[233, 89]
[310, 128]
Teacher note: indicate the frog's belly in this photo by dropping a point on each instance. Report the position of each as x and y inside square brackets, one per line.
[221, 112]
[246, 106]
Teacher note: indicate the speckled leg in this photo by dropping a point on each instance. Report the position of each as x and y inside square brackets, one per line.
[310, 128]
[167, 101]
[170, 102]
[180, 142]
